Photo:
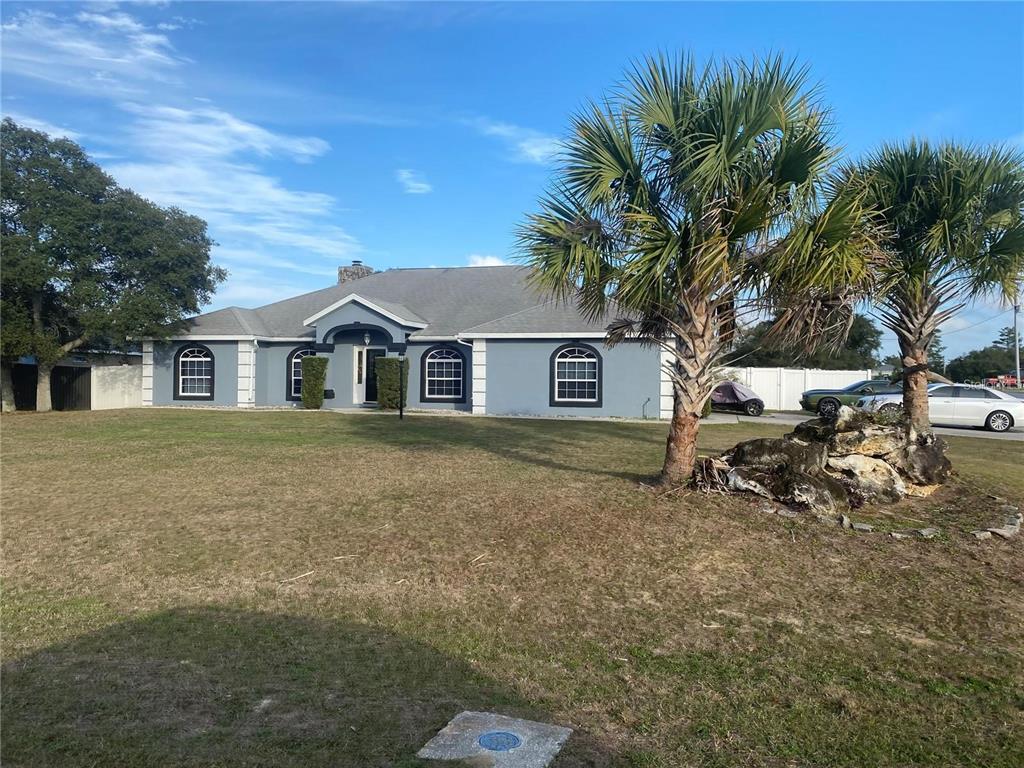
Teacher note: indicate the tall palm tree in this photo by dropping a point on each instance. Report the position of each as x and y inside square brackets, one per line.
[690, 196]
[955, 221]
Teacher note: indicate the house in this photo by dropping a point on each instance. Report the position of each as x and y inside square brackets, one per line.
[478, 339]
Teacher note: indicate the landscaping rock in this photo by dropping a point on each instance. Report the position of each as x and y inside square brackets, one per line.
[927, 533]
[749, 480]
[867, 441]
[863, 527]
[772, 453]
[818, 493]
[898, 535]
[923, 463]
[869, 479]
[812, 431]
[844, 521]
[981, 535]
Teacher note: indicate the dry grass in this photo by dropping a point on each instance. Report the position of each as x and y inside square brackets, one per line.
[152, 614]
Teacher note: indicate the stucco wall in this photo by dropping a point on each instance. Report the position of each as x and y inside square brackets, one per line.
[415, 354]
[359, 317]
[225, 372]
[518, 376]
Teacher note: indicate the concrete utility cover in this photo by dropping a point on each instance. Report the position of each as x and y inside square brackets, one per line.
[496, 740]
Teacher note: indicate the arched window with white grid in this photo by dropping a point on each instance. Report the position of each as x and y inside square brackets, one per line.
[294, 372]
[443, 376]
[576, 376]
[193, 373]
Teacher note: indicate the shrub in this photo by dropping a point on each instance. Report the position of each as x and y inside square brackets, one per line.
[706, 410]
[388, 384]
[314, 376]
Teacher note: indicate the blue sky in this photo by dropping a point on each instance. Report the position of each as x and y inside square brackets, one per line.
[309, 134]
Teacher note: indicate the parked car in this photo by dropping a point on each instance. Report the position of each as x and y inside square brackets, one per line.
[958, 405]
[731, 396]
[826, 402]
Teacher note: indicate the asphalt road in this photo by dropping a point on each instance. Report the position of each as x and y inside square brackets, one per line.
[795, 417]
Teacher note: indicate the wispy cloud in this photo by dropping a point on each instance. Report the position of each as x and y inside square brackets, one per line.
[483, 260]
[526, 144]
[413, 182]
[100, 53]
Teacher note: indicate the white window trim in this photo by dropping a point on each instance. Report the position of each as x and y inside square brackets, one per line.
[205, 356]
[297, 357]
[586, 357]
[450, 355]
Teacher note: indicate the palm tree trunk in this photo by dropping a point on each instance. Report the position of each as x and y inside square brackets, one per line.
[915, 389]
[694, 352]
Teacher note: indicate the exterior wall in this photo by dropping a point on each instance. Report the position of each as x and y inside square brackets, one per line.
[357, 316]
[225, 372]
[518, 378]
[116, 387]
[415, 355]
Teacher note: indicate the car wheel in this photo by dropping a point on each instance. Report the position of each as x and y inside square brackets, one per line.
[999, 421]
[828, 408]
[753, 407]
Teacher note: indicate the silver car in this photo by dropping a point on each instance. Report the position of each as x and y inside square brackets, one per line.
[960, 405]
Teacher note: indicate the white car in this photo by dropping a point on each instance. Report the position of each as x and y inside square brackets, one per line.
[960, 405]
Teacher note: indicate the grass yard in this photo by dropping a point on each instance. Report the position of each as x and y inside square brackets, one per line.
[190, 588]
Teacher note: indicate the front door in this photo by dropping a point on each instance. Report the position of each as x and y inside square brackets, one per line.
[371, 374]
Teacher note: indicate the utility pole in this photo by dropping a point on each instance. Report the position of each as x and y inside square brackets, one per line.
[1016, 334]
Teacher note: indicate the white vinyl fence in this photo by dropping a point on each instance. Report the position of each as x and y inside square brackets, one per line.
[780, 388]
[116, 386]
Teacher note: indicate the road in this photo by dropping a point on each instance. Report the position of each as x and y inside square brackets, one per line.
[795, 417]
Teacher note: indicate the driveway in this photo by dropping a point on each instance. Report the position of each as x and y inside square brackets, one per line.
[795, 417]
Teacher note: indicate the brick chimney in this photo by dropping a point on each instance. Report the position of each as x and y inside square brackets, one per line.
[354, 272]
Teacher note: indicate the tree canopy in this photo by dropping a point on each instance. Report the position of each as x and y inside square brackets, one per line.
[755, 347]
[87, 262]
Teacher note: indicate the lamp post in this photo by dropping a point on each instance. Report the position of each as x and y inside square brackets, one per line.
[401, 385]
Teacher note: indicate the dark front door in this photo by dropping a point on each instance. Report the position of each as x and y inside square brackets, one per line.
[371, 373]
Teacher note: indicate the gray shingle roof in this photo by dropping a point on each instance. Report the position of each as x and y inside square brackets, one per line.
[449, 300]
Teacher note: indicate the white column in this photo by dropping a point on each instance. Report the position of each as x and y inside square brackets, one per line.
[665, 388]
[147, 373]
[479, 377]
[246, 374]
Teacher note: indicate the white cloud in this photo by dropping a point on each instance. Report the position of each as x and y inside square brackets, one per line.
[482, 260]
[413, 182]
[527, 145]
[97, 53]
[37, 124]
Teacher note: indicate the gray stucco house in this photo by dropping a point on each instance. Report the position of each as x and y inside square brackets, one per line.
[478, 339]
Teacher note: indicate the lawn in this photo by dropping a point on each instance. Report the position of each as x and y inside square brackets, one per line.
[189, 588]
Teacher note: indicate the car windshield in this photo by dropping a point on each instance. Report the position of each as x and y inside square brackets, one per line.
[856, 385]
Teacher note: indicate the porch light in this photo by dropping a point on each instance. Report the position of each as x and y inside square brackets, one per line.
[366, 339]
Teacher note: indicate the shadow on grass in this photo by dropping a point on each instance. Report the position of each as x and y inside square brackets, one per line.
[572, 446]
[209, 686]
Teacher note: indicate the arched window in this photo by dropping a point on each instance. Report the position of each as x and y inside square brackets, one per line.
[193, 373]
[443, 376]
[576, 376]
[293, 384]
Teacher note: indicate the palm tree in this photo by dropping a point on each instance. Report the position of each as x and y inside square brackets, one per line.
[689, 197]
[955, 221]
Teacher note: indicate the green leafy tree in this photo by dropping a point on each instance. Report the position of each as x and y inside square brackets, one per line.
[1007, 339]
[956, 232]
[85, 261]
[756, 347]
[937, 353]
[691, 197]
[979, 364]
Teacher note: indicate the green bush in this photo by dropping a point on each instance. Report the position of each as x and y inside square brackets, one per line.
[387, 382]
[706, 410]
[314, 376]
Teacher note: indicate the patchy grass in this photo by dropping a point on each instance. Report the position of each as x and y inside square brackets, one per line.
[218, 588]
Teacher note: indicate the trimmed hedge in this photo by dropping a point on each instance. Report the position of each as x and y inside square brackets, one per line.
[387, 382]
[314, 376]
